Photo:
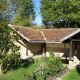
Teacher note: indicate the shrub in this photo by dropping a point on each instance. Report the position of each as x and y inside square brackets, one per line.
[29, 76]
[13, 61]
[40, 73]
[10, 62]
[54, 64]
[49, 66]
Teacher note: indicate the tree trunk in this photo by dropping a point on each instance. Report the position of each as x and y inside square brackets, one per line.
[65, 24]
[68, 24]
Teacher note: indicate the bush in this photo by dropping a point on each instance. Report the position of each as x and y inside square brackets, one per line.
[54, 64]
[10, 61]
[36, 75]
[40, 73]
[29, 76]
[49, 66]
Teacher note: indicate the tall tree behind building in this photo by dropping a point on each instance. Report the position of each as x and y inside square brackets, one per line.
[25, 14]
[60, 13]
[19, 12]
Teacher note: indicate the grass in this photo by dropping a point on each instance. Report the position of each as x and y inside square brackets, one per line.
[22, 73]
[18, 74]
[73, 75]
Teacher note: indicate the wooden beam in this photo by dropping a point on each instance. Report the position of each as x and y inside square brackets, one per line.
[75, 39]
[70, 49]
[26, 48]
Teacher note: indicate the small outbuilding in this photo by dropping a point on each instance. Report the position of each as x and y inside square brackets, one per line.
[63, 41]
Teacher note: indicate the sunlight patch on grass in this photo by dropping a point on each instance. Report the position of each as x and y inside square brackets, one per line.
[18, 74]
[73, 75]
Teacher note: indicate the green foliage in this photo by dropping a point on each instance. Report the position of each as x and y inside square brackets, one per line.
[10, 62]
[7, 36]
[9, 9]
[7, 39]
[49, 66]
[1, 6]
[24, 13]
[20, 73]
[19, 12]
[60, 12]
[40, 73]
[7, 42]
[29, 76]
[54, 64]
[21, 21]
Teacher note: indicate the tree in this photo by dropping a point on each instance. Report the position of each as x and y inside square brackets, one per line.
[7, 37]
[1, 6]
[24, 13]
[60, 12]
[9, 9]
[19, 12]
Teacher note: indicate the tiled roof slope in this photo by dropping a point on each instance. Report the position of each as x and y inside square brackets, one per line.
[45, 34]
[57, 34]
[29, 33]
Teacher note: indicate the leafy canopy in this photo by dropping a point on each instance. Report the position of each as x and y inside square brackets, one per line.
[7, 37]
[24, 13]
[1, 6]
[66, 12]
[19, 12]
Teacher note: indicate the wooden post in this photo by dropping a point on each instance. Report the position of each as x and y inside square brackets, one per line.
[76, 48]
[70, 49]
[26, 48]
[44, 48]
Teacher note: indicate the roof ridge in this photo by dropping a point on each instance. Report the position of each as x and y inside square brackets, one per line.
[70, 35]
[23, 27]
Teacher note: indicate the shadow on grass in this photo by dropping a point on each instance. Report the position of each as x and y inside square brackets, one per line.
[25, 63]
[78, 68]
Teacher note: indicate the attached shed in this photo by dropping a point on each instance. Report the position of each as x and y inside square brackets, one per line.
[64, 40]
[35, 42]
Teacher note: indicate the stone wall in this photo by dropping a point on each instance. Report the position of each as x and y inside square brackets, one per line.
[33, 48]
[63, 48]
[58, 47]
[22, 48]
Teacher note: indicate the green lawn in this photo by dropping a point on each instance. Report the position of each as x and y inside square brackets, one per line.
[73, 75]
[19, 73]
